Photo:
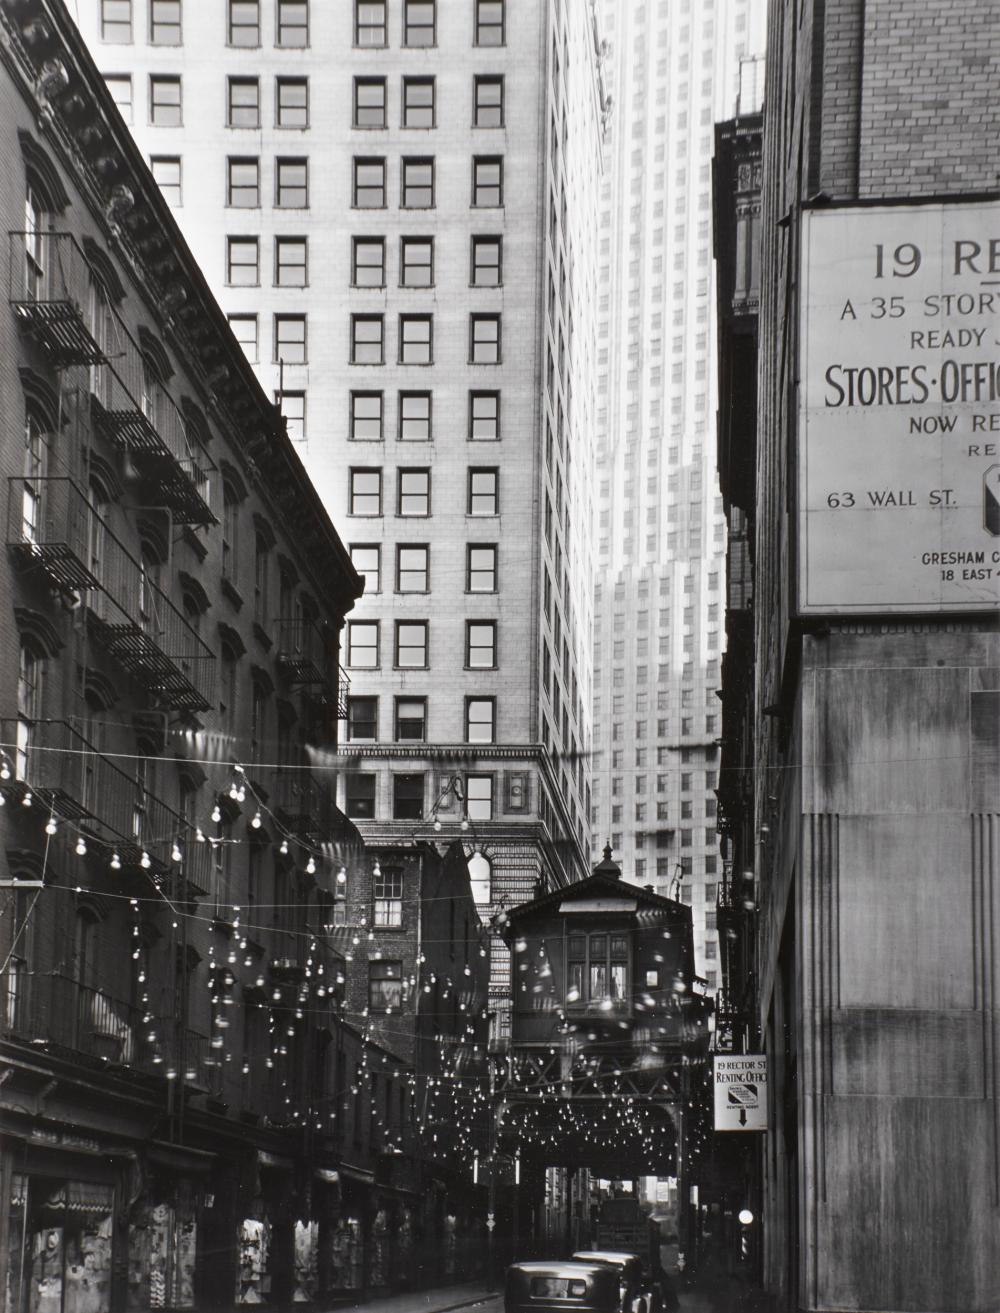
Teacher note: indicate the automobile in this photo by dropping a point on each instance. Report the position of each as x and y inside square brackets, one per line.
[638, 1294]
[562, 1286]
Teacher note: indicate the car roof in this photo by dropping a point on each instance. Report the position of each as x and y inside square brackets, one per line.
[588, 1264]
[607, 1256]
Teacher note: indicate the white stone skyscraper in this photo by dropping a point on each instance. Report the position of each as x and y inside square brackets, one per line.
[659, 611]
[395, 202]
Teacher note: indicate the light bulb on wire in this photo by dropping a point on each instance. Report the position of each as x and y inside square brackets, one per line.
[50, 825]
[81, 847]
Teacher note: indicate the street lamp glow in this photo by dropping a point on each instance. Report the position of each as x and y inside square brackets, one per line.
[746, 1217]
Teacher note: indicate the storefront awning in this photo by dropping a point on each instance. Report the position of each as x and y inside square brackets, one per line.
[361, 1174]
[274, 1160]
[326, 1175]
[179, 1157]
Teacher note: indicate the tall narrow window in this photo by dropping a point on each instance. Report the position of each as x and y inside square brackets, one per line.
[479, 797]
[244, 103]
[418, 102]
[367, 340]
[362, 719]
[481, 644]
[120, 86]
[414, 416]
[166, 171]
[411, 644]
[367, 560]
[412, 568]
[407, 797]
[243, 183]
[370, 26]
[419, 22]
[369, 184]
[165, 22]
[416, 261]
[484, 492]
[291, 268]
[244, 22]
[416, 339]
[362, 644]
[414, 493]
[291, 184]
[417, 184]
[293, 23]
[388, 889]
[290, 339]
[481, 568]
[366, 416]
[366, 492]
[291, 103]
[484, 339]
[487, 102]
[487, 181]
[411, 720]
[165, 101]
[242, 262]
[116, 21]
[484, 416]
[245, 331]
[292, 404]
[368, 261]
[487, 258]
[489, 22]
[369, 102]
[480, 720]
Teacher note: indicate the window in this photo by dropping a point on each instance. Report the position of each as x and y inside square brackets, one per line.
[291, 267]
[165, 22]
[370, 28]
[385, 986]
[116, 21]
[362, 719]
[230, 530]
[244, 103]
[414, 416]
[480, 720]
[368, 261]
[597, 969]
[366, 416]
[481, 644]
[243, 183]
[242, 262]
[388, 889]
[407, 797]
[484, 339]
[489, 22]
[487, 102]
[360, 795]
[416, 339]
[369, 102]
[411, 644]
[292, 405]
[293, 23]
[367, 560]
[291, 103]
[291, 184]
[414, 493]
[484, 496]
[418, 102]
[487, 181]
[120, 86]
[362, 644]
[487, 256]
[479, 797]
[366, 492]
[166, 171]
[369, 184]
[484, 416]
[480, 879]
[481, 568]
[416, 189]
[245, 331]
[165, 101]
[411, 719]
[419, 22]
[290, 339]
[412, 568]
[244, 22]
[367, 333]
[416, 262]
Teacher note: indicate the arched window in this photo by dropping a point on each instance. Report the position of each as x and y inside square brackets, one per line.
[480, 878]
[37, 222]
[149, 583]
[233, 492]
[85, 948]
[34, 468]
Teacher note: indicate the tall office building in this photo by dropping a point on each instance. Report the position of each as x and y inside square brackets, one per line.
[396, 203]
[673, 69]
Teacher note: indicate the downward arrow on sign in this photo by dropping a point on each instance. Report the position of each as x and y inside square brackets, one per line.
[743, 1116]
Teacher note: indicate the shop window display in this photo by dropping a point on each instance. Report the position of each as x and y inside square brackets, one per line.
[60, 1246]
[255, 1249]
[306, 1261]
[162, 1252]
[346, 1255]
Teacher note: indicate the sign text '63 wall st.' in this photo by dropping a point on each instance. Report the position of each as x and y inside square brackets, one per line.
[899, 420]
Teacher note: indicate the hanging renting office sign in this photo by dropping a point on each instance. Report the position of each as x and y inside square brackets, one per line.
[740, 1083]
[899, 409]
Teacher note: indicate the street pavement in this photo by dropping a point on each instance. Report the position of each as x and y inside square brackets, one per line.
[705, 1295]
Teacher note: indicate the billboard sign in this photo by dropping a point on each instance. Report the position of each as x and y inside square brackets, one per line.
[899, 409]
[739, 1081]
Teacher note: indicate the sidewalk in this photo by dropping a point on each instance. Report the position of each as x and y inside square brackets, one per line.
[438, 1300]
[722, 1294]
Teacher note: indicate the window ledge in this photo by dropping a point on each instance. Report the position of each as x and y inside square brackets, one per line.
[230, 591]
